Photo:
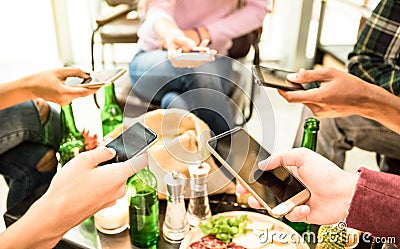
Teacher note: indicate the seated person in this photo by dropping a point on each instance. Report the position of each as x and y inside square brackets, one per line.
[362, 200]
[180, 26]
[30, 133]
[375, 60]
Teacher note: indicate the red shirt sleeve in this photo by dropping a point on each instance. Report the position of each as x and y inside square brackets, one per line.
[375, 206]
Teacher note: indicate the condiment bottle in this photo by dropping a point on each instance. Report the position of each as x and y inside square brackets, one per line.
[175, 224]
[199, 207]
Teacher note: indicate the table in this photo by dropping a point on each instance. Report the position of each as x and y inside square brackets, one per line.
[86, 236]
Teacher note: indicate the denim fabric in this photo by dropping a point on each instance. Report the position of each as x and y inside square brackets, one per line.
[202, 90]
[23, 142]
[338, 135]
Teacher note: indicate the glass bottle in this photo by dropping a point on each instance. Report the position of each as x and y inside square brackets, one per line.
[72, 141]
[199, 207]
[111, 113]
[309, 141]
[143, 208]
[175, 224]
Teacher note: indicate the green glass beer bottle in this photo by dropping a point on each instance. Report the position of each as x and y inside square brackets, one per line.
[72, 142]
[143, 208]
[111, 113]
[309, 141]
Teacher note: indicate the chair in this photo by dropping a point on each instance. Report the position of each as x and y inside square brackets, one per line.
[118, 26]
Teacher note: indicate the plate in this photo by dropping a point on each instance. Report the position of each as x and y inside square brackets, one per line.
[277, 234]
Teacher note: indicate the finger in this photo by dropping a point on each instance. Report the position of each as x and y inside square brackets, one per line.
[72, 72]
[204, 43]
[71, 93]
[92, 158]
[293, 157]
[254, 203]
[133, 165]
[307, 96]
[299, 213]
[241, 190]
[311, 75]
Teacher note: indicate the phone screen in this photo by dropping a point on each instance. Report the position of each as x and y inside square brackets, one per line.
[242, 153]
[131, 142]
[276, 78]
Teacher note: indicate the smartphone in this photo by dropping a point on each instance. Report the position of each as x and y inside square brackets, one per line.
[133, 141]
[97, 79]
[278, 190]
[276, 78]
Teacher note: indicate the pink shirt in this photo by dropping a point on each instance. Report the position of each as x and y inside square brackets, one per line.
[222, 18]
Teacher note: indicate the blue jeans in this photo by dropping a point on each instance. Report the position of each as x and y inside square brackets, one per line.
[338, 135]
[23, 142]
[202, 90]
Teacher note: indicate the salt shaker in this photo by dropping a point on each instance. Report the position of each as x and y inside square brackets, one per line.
[175, 225]
[199, 207]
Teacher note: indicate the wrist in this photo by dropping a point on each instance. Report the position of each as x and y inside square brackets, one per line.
[350, 187]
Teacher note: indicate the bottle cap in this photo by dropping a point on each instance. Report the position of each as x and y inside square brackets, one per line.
[199, 172]
[175, 183]
[311, 124]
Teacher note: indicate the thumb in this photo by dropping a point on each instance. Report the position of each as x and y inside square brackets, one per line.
[93, 157]
[305, 76]
[132, 166]
[294, 157]
[299, 213]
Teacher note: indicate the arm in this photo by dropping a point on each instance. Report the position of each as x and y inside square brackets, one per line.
[375, 58]
[342, 94]
[77, 191]
[48, 85]
[362, 201]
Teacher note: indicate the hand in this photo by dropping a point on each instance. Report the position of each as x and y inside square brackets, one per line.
[81, 188]
[331, 188]
[90, 140]
[340, 94]
[50, 85]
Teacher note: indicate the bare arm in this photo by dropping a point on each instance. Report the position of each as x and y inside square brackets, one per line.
[77, 191]
[48, 85]
[342, 94]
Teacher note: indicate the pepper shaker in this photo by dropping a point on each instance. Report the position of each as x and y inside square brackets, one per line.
[199, 207]
[175, 225]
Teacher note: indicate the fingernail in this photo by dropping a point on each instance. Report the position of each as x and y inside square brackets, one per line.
[292, 76]
[263, 164]
[88, 74]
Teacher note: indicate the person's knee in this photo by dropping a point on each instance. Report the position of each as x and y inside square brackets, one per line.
[48, 162]
[43, 109]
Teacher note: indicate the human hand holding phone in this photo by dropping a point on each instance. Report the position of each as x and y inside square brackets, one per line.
[331, 188]
[277, 190]
[97, 79]
[277, 78]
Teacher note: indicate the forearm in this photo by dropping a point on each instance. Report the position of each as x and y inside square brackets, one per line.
[374, 206]
[382, 107]
[40, 227]
[165, 27]
[15, 92]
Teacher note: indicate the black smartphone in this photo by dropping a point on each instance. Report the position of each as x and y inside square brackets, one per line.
[276, 78]
[278, 190]
[97, 79]
[133, 141]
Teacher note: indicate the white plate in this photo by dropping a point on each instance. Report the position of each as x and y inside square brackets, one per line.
[195, 234]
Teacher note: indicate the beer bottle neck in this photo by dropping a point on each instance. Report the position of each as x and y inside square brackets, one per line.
[109, 95]
[67, 120]
[310, 134]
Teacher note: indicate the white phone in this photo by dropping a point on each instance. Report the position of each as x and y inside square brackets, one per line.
[278, 190]
[97, 79]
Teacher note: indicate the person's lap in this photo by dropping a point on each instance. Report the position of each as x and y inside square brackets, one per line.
[153, 76]
[24, 141]
[338, 135]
